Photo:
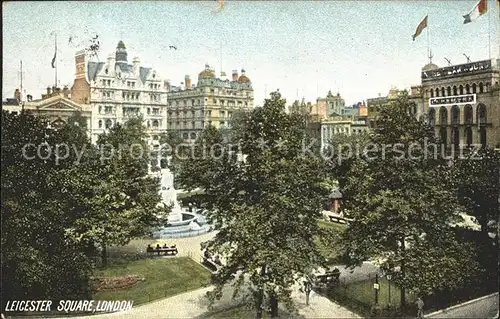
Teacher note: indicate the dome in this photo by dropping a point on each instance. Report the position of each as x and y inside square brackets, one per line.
[207, 73]
[243, 79]
[430, 66]
[121, 45]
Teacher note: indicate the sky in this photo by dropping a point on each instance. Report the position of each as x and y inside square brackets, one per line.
[303, 48]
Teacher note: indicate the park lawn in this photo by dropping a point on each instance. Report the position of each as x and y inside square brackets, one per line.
[164, 277]
[333, 251]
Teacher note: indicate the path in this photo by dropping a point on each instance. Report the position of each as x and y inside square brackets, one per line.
[484, 307]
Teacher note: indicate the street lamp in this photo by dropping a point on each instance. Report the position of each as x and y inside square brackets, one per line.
[389, 277]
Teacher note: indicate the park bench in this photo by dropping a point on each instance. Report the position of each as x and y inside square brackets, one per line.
[170, 251]
[209, 263]
[328, 279]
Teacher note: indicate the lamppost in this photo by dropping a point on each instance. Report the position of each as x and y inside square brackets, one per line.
[389, 277]
[308, 289]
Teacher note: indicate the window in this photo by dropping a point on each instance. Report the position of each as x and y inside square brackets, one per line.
[448, 91]
[442, 91]
[100, 123]
[467, 89]
[109, 123]
[156, 123]
[468, 114]
[222, 123]
[455, 92]
[149, 110]
[185, 136]
[437, 92]
[193, 136]
[156, 111]
[461, 89]
[474, 88]
[192, 124]
[443, 116]
[432, 117]
[481, 88]
[455, 115]
[100, 109]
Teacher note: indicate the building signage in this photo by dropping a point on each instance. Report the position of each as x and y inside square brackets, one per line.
[457, 69]
[452, 100]
[358, 122]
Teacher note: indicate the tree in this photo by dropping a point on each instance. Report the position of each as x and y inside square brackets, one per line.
[403, 207]
[476, 177]
[123, 203]
[39, 261]
[264, 204]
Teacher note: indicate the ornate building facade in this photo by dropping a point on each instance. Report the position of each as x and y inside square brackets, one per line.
[117, 91]
[55, 106]
[212, 101]
[462, 102]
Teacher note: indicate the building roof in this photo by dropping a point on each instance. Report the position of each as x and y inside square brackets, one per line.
[121, 45]
[243, 79]
[430, 66]
[93, 68]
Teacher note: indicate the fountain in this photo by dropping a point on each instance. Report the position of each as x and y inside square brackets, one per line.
[180, 223]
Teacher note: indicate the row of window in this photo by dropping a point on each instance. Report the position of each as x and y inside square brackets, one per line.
[183, 114]
[214, 101]
[459, 90]
[455, 115]
[455, 136]
[108, 123]
[195, 125]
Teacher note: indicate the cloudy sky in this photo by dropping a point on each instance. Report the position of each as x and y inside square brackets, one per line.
[302, 48]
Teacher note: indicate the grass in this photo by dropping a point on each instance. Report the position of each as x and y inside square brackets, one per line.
[331, 250]
[359, 297]
[163, 278]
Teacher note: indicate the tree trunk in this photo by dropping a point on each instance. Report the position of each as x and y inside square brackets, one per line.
[403, 273]
[274, 306]
[104, 256]
[260, 296]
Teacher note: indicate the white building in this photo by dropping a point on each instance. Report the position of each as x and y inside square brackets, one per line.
[118, 91]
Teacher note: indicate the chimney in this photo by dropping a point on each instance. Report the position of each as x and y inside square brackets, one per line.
[29, 97]
[65, 91]
[235, 75]
[136, 62]
[17, 95]
[54, 89]
[48, 91]
[187, 80]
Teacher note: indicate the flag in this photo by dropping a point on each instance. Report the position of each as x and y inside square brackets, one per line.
[421, 26]
[54, 58]
[479, 9]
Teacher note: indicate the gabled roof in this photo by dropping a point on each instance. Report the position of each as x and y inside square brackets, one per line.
[93, 68]
[57, 102]
[143, 73]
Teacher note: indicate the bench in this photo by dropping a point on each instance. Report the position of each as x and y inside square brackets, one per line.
[171, 251]
[328, 279]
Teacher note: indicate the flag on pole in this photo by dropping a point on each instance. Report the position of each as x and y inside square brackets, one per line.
[479, 9]
[421, 26]
[54, 58]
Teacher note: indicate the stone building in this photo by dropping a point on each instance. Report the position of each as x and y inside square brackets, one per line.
[55, 106]
[117, 91]
[462, 102]
[331, 105]
[374, 104]
[212, 101]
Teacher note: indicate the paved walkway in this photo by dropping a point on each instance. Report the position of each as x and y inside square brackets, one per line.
[194, 303]
[484, 307]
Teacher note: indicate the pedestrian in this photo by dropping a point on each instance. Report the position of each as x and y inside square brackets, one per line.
[420, 308]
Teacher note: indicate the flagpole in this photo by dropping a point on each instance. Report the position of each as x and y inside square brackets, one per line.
[55, 55]
[489, 32]
[428, 40]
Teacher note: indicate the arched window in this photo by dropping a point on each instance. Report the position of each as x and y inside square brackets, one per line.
[481, 87]
[473, 87]
[432, 117]
[100, 123]
[108, 123]
[193, 136]
[455, 115]
[468, 114]
[437, 92]
[442, 91]
[455, 92]
[432, 93]
[481, 114]
[456, 138]
[443, 115]
[461, 89]
[156, 123]
[448, 91]
[185, 136]
[487, 87]
[467, 89]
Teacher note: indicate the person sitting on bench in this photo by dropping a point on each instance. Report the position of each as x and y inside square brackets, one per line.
[158, 247]
[149, 248]
[165, 245]
[206, 254]
[217, 260]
